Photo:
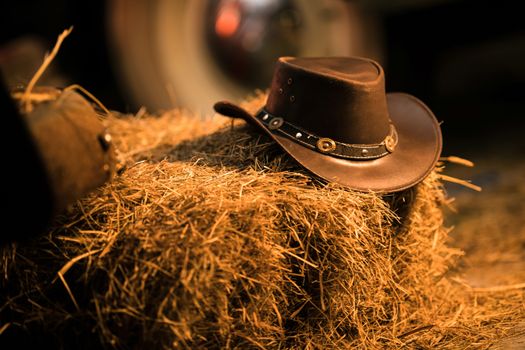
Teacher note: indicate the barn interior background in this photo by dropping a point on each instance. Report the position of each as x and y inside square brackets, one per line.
[463, 58]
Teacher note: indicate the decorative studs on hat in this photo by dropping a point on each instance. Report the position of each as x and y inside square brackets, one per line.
[326, 145]
[275, 123]
[390, 143]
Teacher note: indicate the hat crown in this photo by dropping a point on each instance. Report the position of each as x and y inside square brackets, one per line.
[341, 98]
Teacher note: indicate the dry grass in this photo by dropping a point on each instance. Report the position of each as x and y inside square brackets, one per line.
[211, 238]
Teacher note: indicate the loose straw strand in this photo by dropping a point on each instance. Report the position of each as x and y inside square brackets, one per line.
[90, 95]
[460, 182]
[458, 160]
[26, 101]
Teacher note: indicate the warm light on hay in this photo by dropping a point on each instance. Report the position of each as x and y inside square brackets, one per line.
[210, 237]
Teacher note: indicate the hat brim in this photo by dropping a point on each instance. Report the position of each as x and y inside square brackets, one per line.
[416, 154]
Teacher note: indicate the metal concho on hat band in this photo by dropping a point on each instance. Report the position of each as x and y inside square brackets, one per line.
[326, 145]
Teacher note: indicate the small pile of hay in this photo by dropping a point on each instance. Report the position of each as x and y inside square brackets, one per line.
[210, 237]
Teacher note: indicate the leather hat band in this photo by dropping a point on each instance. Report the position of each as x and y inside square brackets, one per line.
[326, 145]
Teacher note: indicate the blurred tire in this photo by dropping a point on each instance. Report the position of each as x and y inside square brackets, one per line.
[162, 48]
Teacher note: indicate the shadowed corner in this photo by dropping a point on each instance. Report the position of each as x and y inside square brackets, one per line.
[26, 186]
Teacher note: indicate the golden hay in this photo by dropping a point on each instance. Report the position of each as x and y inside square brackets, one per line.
[210, 237]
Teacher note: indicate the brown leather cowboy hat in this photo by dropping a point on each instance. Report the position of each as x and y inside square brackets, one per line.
[333, 116]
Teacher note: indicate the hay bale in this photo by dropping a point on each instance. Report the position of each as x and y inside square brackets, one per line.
[212, 238]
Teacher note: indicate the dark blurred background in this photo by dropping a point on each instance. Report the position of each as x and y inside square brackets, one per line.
[464, 58]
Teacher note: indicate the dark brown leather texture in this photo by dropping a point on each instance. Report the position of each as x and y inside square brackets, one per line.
[71, 141]
[316, 93]
[343, 100]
